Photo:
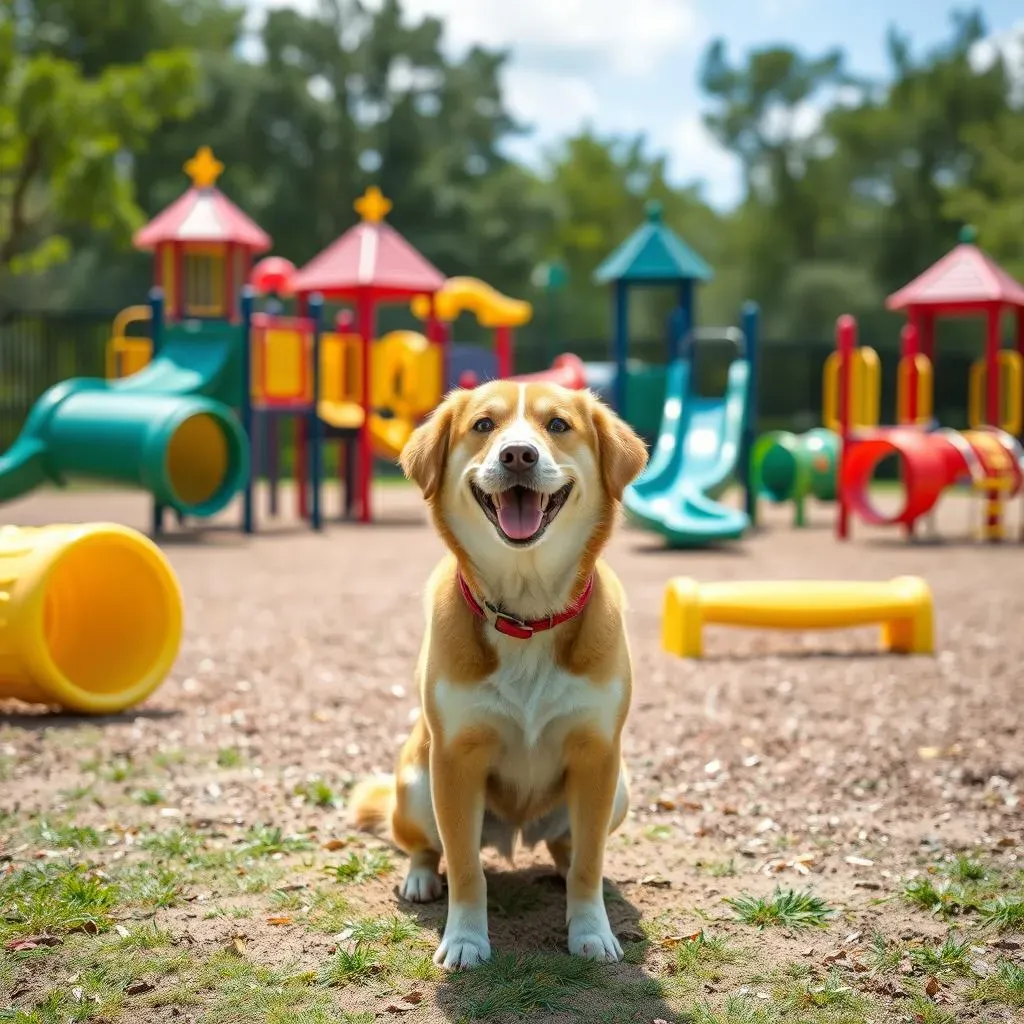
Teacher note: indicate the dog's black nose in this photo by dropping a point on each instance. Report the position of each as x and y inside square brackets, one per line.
[519, 458]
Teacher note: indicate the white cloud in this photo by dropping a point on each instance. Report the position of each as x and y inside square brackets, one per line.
[631, 39]
[1009, 45]
[697, 156]
[556, 104]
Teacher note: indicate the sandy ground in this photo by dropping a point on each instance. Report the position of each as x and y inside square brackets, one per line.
[782, 753]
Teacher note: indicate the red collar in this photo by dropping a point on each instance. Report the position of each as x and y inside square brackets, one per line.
[521, 629]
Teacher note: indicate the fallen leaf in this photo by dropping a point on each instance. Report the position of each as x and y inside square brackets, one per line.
[1006, 841]
[122, 931]
[671, 941]
[929, 753]
[237, 945]
[31, 942]
[656, 882]
[283, 920]
[866, 885]
[859, 862]
[665, 803]
[89, 927]
[138, 988]
[406, 1003]
[932, 987]
[1006, 944]
[335, 844]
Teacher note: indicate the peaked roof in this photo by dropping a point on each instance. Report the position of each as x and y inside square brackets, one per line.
[963, 277]
[203, 213]
[369, 257]
[653, 253]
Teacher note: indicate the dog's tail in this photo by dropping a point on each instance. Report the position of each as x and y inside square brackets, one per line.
[371, 804]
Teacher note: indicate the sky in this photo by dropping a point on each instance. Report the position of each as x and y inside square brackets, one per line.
[631, 66]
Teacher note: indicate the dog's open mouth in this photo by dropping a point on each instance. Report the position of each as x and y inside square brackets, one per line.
[520, 514]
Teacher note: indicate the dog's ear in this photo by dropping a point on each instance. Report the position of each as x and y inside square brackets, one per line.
[621, 452]
[425, 454]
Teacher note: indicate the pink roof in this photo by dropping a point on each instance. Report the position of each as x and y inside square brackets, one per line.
[963, 277]
[202, 215]
[369, 256]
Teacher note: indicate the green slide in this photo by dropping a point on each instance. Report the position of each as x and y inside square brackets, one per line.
[165, 429]
[693, 461]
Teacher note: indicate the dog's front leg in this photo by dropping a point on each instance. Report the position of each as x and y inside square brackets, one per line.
[592, 777]
[458, 776]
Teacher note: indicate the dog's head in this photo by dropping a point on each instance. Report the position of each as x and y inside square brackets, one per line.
[517, 466]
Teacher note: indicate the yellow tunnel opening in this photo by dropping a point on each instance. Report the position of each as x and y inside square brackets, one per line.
[111, 618]
[198, 459]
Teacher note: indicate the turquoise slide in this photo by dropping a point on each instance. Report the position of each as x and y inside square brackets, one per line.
[693, 462]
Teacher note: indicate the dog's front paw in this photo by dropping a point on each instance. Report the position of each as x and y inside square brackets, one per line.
[462, 948]
[590, 936]
[422, 885]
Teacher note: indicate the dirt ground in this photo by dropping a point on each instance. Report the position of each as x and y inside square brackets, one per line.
[780, 759]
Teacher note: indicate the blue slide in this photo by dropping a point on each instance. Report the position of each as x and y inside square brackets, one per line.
[693, 461]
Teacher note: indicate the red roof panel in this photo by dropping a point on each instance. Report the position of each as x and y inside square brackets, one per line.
[202, 215]
[370, 255]
[963, 277]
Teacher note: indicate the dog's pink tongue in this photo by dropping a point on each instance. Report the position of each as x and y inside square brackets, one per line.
[519, 513]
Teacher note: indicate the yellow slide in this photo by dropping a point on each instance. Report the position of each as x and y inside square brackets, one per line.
[92, 616]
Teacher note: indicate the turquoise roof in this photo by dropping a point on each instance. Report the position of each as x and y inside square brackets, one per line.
[653, 253]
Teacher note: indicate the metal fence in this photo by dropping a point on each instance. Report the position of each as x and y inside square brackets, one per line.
[39, 350]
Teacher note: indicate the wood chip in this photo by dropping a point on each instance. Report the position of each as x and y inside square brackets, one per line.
[405, 1004]
[280, 921]
[335, 844]
[138, 988]
[859, 862]
[932, 986]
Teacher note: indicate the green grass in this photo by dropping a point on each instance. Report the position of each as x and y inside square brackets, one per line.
[1004, 913]
[951, 959]
[703, 957]
[1005, 986]
[270, 841]
[357, 868]
[230, 757]
[317, 793]
[786, 908]
[61, 836]
[525, 984]
[55, 898]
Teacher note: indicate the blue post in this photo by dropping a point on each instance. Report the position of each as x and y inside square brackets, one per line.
[245, 405]
[316, 433]
[156, 329]
[620, 344]
[749, 318]
[682, 321]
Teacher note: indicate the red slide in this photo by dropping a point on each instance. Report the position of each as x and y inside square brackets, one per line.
[930, 464]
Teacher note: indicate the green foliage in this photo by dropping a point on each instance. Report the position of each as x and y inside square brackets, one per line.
[64, 137]
[787, 908]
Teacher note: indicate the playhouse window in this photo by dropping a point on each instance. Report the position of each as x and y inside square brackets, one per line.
[204, 283]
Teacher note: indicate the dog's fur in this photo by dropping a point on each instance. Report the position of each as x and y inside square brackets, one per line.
[517, 738]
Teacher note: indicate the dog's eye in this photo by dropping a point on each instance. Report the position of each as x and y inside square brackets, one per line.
[484, 425]
[558, 426]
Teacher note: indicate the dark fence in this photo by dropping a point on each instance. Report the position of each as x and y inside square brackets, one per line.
[37, 351]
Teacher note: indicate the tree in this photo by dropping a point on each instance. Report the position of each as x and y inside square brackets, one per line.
[64, 139]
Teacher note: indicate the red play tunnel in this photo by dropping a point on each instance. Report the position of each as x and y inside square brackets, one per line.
[566, 370]
[930, 463]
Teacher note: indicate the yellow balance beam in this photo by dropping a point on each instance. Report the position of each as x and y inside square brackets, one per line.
[902, 606]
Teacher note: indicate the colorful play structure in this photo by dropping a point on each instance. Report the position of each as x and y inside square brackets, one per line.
[903, 607]
[702, 442]
[705, 444]
[92, 617]
[200, 391]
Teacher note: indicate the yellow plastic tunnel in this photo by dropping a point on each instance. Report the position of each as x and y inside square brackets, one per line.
[90, 616]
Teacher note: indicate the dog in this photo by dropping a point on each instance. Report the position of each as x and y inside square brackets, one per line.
[524, 673]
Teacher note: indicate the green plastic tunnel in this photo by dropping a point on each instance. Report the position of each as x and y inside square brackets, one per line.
[189, 452]
[789, 467]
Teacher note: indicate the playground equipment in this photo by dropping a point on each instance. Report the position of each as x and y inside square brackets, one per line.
[988, 457]
[793, 467]
[701, 444]
[92, 616]
[654, 256]
[903, 606]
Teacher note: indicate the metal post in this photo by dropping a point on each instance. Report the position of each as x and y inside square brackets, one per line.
[749, 323]
[245, 402]
[316, 429]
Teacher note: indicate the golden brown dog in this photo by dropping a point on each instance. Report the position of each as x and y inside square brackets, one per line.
[524, 674]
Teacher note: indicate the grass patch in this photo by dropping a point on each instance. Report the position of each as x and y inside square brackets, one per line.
[841, 1001]
[149, 797]
[357, 868]
[951, 959]
[54, 899]
[352, 966]
[230, 757]
[317, 793]
[526, 984]
[786, 908]
[883, 957]
[267, 841]
[1005, 986]
[1004, 913]
[701, 957]
[63, 836]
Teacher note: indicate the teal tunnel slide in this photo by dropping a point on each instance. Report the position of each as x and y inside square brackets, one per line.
[693, 461]
[165, 429]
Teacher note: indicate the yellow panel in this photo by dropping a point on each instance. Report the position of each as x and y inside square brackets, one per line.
[332, 364]
[284, 352]
[1011, 392]
[204, 280]
[467, 294]
[925, 389]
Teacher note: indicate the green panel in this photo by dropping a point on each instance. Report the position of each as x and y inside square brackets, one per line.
[645, 398]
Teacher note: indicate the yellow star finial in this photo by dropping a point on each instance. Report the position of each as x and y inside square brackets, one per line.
[372, 206]
[204, 168]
